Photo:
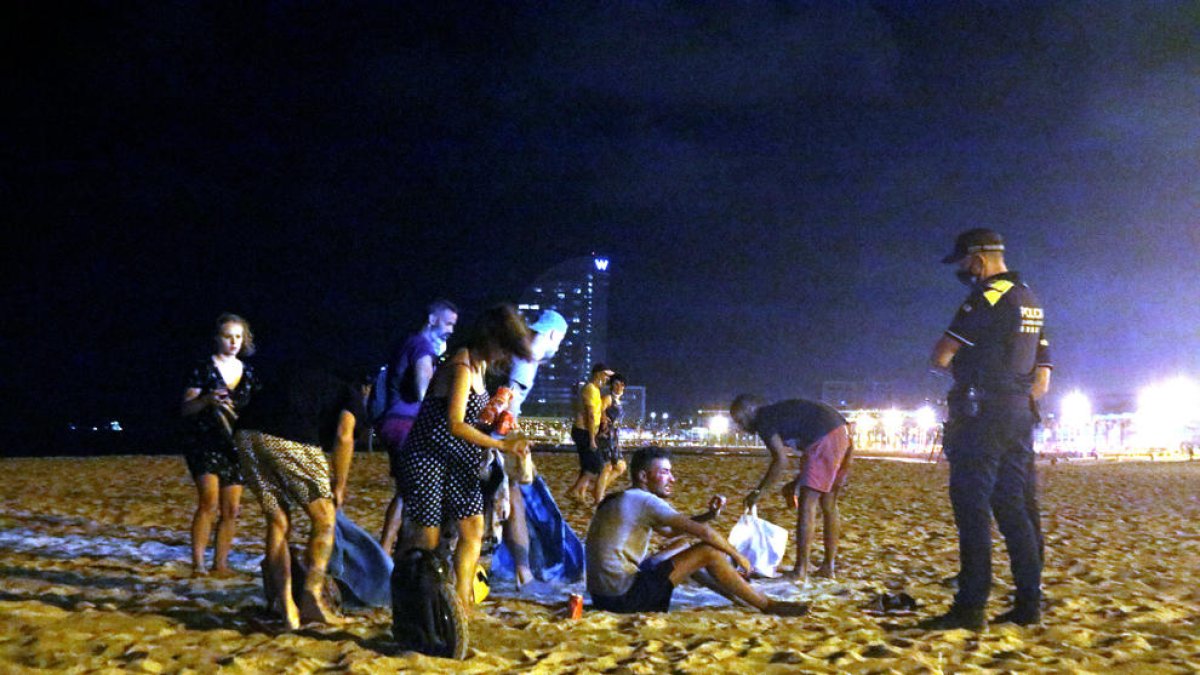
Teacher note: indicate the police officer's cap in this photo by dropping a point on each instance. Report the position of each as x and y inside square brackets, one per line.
[976, 240]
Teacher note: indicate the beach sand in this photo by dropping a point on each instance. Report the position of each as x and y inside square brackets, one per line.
[94, 570]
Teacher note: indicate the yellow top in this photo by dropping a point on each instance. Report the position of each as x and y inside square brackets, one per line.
[590, 405]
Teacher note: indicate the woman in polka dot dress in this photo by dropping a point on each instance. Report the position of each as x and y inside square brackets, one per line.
[440, 460]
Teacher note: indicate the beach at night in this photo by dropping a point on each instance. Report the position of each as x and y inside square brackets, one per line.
[95, 575]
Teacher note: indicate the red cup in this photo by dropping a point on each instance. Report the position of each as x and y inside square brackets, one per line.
[575, 606]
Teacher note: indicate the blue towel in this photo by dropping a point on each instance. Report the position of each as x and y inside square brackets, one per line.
[360, 566]
[555, 552]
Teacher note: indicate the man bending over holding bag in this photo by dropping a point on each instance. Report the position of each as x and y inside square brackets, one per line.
[620, 576]
[821, 433]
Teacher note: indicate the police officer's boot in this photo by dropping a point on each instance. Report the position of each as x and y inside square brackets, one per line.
[957, 617]
[1022, 614]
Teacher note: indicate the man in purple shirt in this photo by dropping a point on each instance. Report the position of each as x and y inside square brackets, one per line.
[410, 367]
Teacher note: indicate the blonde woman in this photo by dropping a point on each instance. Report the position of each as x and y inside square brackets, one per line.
[217, 388]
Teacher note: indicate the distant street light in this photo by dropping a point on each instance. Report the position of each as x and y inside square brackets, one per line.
[1166, 411]
[892, 421]
[718, 425]
[1076, 409]
[926, 418]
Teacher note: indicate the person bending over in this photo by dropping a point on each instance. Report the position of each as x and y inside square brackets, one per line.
[620, 576]
[822, 433]
[439, 469]
[306, 408]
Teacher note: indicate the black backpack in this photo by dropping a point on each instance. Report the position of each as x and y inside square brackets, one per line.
[427, 615]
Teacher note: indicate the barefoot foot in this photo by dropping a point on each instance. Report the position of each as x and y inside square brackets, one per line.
[313, 610]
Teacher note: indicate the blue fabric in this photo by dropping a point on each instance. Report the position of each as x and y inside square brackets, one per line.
[360, 566]
[555, 552]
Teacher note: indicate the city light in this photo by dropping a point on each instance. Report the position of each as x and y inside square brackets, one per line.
[926, 418]
[1166, 412]
[718, 425]
[1076, 410]
[601, 264]
[893, 420]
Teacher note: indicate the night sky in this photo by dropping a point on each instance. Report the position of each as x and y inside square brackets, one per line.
[774, 183]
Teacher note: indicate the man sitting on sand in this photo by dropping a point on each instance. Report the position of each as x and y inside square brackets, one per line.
[620, 578]
[821, 432]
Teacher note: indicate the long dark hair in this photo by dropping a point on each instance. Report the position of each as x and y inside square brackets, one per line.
[501, 328]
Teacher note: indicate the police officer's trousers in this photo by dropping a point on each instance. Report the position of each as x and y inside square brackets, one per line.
[992, 473]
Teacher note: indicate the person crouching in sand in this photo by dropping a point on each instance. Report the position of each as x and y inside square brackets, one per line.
[620, 576]
[823, 435]
[280, 443]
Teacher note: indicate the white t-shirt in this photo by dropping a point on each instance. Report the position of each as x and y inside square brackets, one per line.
[619, 539]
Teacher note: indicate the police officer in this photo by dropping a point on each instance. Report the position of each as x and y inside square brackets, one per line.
[998, 354]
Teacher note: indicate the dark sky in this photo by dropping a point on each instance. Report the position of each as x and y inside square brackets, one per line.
[774, 182]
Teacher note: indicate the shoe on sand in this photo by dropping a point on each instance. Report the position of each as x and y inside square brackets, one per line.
[957, 617]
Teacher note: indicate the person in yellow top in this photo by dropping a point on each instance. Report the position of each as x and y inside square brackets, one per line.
[589, 408]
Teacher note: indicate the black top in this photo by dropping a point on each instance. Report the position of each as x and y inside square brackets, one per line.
[1002, 330]
[798, 422]
[303, 403]
[205, 427]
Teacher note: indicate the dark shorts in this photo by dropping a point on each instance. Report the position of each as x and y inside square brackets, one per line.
[590, 460]
[220, 462]
[651, 590]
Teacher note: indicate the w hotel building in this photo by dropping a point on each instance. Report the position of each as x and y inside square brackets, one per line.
[577, 289]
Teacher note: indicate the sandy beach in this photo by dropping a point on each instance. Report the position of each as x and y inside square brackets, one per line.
[94, 578]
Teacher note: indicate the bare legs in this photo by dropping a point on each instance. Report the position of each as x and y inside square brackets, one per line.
[279, 567]
[727, 580]
[832, 531]
[466, 554]
[311, 606]
[221, 505]
[582, 484]
[392, 519]
[516, 535]
[610, 473]
[805, 526]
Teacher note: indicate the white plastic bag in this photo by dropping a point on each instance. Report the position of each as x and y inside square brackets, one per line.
[762, 542]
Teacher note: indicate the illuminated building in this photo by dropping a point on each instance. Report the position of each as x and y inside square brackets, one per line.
[577, 289]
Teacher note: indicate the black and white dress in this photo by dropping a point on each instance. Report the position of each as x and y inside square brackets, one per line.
[207, 443]
[440, 472]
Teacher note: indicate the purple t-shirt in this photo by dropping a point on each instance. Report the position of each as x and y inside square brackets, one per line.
[403, 398]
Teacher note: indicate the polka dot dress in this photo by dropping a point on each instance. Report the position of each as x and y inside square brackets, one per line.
[440, 473]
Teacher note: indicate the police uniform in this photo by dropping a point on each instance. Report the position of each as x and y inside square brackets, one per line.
[989, 437]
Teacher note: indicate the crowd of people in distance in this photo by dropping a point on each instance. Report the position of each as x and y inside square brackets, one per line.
[450, 422]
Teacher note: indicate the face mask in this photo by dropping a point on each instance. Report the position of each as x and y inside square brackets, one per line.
[969, 277]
